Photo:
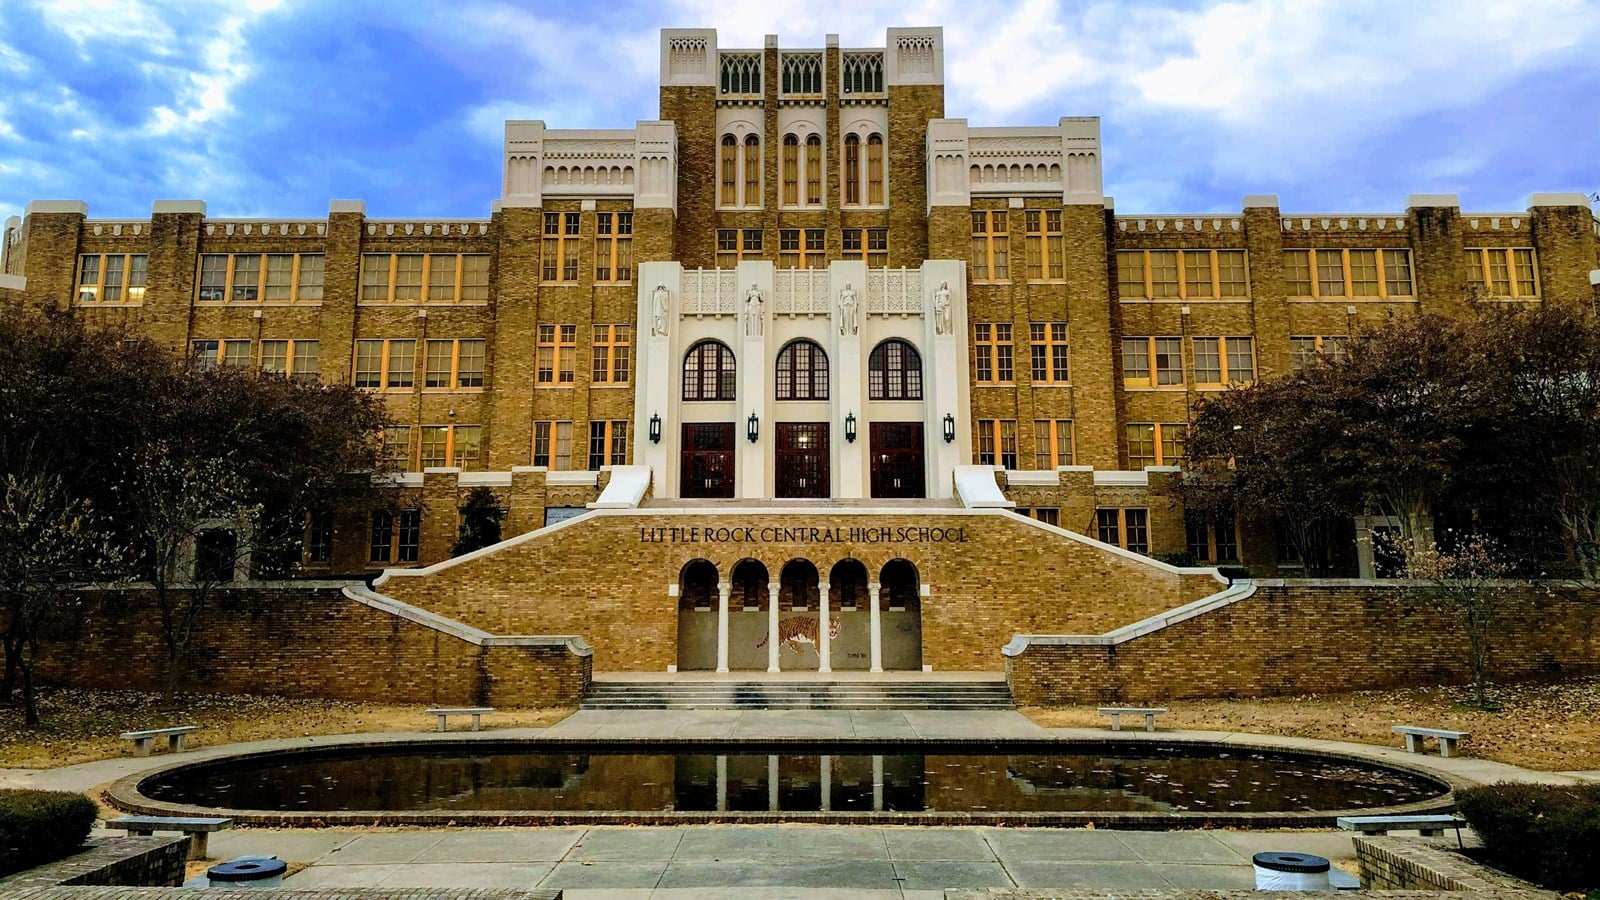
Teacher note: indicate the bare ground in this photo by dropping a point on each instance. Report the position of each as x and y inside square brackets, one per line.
[1552, 727]
[83, 726]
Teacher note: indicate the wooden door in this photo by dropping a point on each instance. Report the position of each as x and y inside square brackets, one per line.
[706, 468]
[801, 459]
[897, 467]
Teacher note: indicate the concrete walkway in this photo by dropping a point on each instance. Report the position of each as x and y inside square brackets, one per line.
[704, 862]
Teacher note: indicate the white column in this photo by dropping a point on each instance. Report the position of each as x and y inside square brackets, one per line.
[772, 783]
[772, 628]
[722, 784]
[752, 461]
[877, 629]
[659, 372]
[724, 588]
[877, 784]
[848, 391]
[827, 783]
[824, 643]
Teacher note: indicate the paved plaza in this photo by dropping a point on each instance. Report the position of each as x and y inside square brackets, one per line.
[713, 861]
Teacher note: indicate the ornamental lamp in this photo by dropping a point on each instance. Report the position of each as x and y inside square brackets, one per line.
[850, 428]
[752, 428]
[949, 428]
[655, 428]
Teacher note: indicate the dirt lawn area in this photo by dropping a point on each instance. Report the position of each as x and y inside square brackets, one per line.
[82, 726]
[1553, 727]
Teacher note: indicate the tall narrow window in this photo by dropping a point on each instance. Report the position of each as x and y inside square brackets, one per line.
[852, 170]
[441, 277]
[1163, 267]
[408, 541]
[709, 373]
[875, 169]
[1130, 274]
[1232, 279]
[552, 445]
[1397, 272]
[728, 163]
[1052, 443]
[752, 170]
[556, 349]
[319, 536]
[894, 371]
[814, 170]
[246, 279]
[1297, 273]
[407, 278]
[791, 170]
[608, 444]
[992, 347]
[1363, 273]
[997, 443]
[382, 536]
[612, 353]
[613, 247]
[280, 277]
[1330, 273]
[989, 238]
[1048, 348]
[312, 266]
[559, 253]
[1197, 274]
[1159, 444]
[1045, 261]
[802, 371]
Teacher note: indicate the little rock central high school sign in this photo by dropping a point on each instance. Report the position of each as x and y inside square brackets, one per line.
[753, 534]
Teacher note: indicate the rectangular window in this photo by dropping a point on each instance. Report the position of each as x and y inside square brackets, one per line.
[1525, 279]
[382, 542]
[1138, 353]
[1226, 360]
[1297, 273]
[1197, 274]
[993, 349]
[1212, 539]
[474, 277]
[1050, 515]
[111, 278]
[802, 248]
[559, 252]
[452, 445]
[319, 536]
[309, 281]
[1125, 528]
[275, 357]
[395, 445]
[298, 359]
[557, 347]
[408, 278]
[552, 445]
[204, 353]
[453, 364]
[1397, 273]
[1048, 349]
[375, 277]
[1233, 280]
[1163, 268]
[997, 443]
[736, 244]
[409, 538]
[113, 271]
[613, 247]
[280, 282]
[608, 444]
[88, 278]
[870, 245]
[1130, 275]
[1052, 443]
[213, 278]
[401, 364]
[1330, 273]
[1364, 273]
[385, 363]
[1155, 444]
[1045, 261]
[236, 354]
[413, 277]
[613, 356]
[989, 245]
[245, 279]
[441, 277]
[1504, 272]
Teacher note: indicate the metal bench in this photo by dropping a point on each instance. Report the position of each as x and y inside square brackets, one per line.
[476, 712]
[197, 828]
[142, 740]
[1414, 736]
[1427, 826]
[1117, 712]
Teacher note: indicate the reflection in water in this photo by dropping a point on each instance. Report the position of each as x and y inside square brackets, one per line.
[502, 776]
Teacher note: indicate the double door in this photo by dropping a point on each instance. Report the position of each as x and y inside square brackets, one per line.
[800, 460]
[706, 468]
[897, 464]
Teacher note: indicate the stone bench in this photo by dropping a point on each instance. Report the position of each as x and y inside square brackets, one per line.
[1427, 826]
[197, 828]
[1415, 735]
[142, 740]
[476, 712]
[1117, 712]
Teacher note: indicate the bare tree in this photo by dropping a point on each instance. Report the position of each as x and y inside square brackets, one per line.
[1467, 580]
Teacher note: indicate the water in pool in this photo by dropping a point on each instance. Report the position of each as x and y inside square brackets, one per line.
[504, 776]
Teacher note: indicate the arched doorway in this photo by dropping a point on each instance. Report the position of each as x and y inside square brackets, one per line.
[747, 620]
[848, 605]
[799, 642]
[900, 605]
[697, 616]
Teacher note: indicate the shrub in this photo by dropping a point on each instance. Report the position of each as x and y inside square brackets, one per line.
[1544, 833]
[40, 826]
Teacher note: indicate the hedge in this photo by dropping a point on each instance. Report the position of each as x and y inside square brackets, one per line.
[1548, 834]
[40, 826]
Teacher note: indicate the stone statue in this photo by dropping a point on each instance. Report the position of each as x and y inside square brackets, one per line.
[754, 312]
[941, 308]
[848, 314]
[661, 302]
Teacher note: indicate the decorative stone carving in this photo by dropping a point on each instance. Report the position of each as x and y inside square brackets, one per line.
[661, 304]
[941, 309]
[754, 312]
[849, 310]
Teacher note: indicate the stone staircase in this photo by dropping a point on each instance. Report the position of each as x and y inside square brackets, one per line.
[859, 695]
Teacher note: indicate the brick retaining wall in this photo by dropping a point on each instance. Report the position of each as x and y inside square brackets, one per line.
[1392, 863]
[1293, 638]
[130, 861]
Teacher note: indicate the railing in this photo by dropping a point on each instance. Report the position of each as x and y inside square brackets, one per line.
[894, 291]
[708, 292]
[801, 292]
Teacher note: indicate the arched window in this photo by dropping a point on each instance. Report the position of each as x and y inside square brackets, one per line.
[752, 170]
[791, 170]
[875, 169]
[802, 371]
[894, 372]
[852, 169]
[729, 164]
[814, 170]
[708, 372]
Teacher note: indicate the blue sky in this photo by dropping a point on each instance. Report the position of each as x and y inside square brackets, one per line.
[274, 107]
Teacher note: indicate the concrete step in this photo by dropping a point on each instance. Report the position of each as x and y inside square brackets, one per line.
[799, 695]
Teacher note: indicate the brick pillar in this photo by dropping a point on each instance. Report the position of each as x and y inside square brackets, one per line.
[1077, 499]
[1165, 502]
[906, 163]
[1437, 243]
[1263, 235]
[693, 110]
[341, 288]
[1564, 235]
[526, 502]
[174, 266]
[53, 229]
[1095, 345]
[441, 514]
[511, 357]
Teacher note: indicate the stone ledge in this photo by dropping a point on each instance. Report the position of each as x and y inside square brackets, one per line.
[1396, 863]
[119, 862]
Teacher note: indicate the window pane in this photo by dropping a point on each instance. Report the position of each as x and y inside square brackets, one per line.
[1364, 273]
[138, 265]
[435, 445]
[1169, 361]
[369, 364]
[1130, 274]
[1241, 360]
[1172, 438]
[280, 272]
[113, 279]
[408, 278]
[1330, 273]
[1302, 350]
[307, 359]
[402, 363]
[246, 275]
[1137, 521]
[475, 277]
[236, 354]
[1136, 359]
[1296, 273]
[1141, 446]
[275, 356]
[1499, 274]
[1231, 275]
[375, 277]
[1106, 526]
[468, 453]
[442, 277]
[1164, 273]
[89, 278]
[469, 365]
[1197, 273]
[1397, 272]
[1527, 280]
[1207, 361]
[437, 364]
[311, 276]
